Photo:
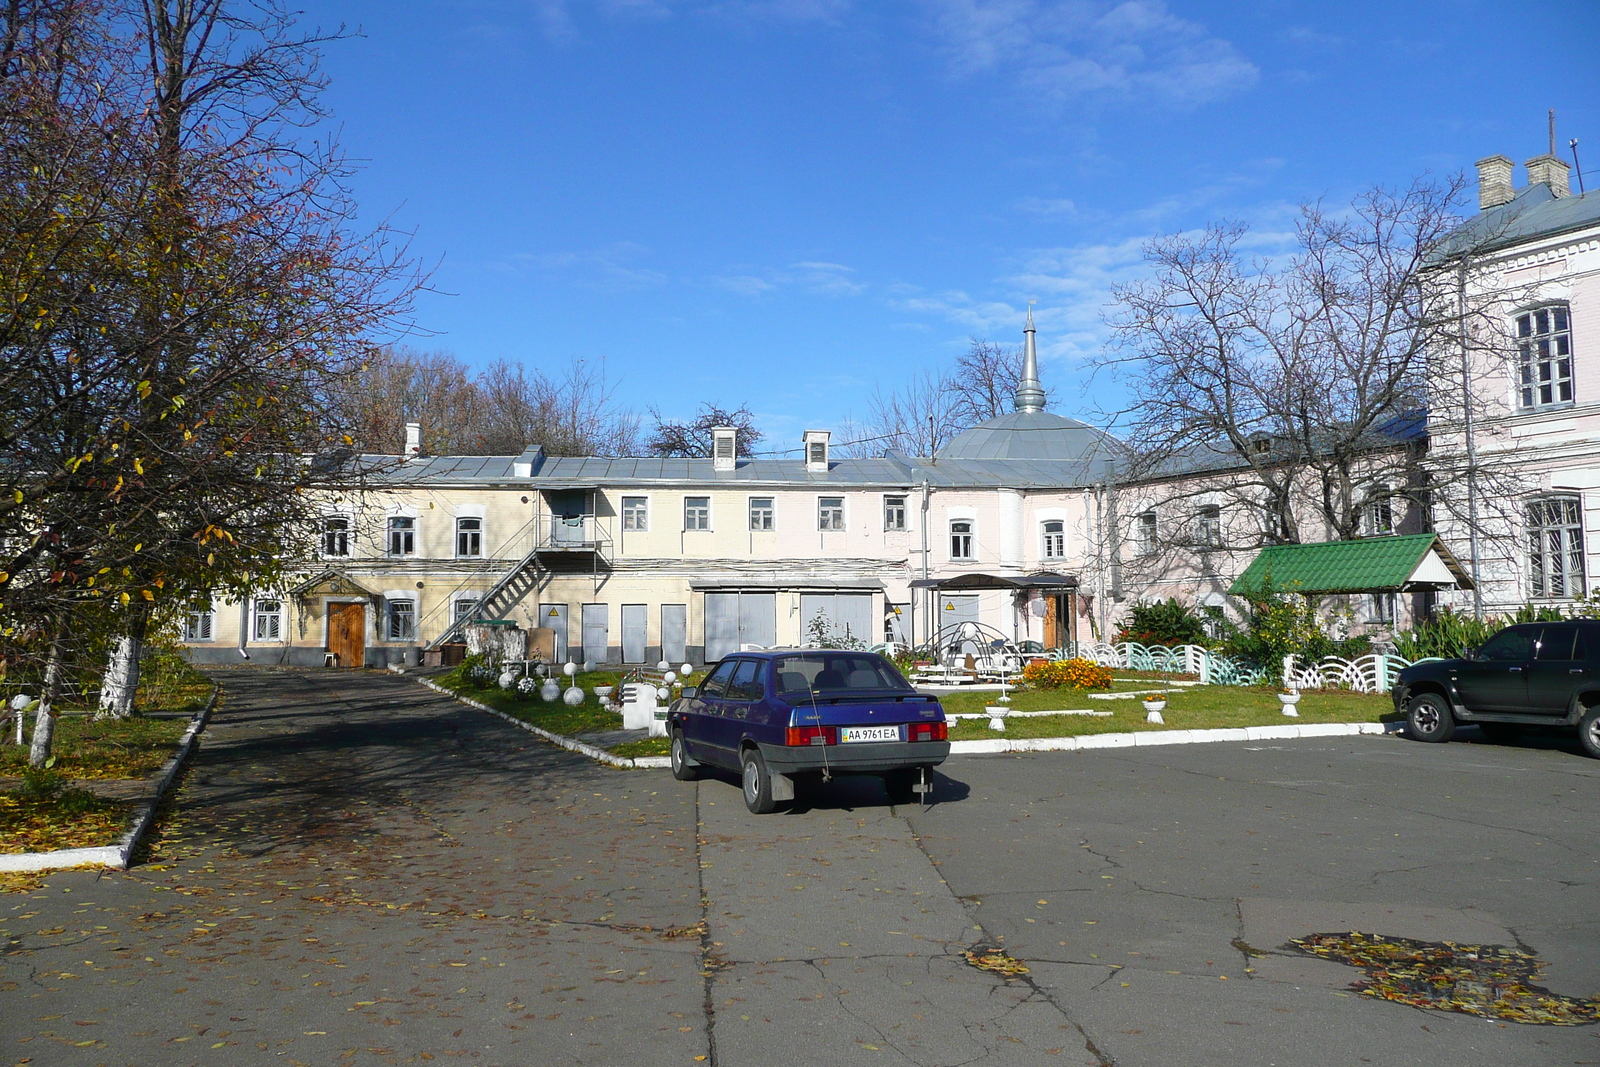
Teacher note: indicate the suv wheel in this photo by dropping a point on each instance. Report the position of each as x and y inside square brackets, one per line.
[757, 782]
[682, 766]
[1589, 731]
[1428, 718]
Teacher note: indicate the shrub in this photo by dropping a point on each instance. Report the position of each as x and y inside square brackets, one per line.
[1163, 622]
[1070, 674]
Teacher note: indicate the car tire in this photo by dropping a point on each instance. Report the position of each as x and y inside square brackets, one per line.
[898, 785]
[756, 781]
[1499, 733]
[1428, 718]
[1589, 731]
[683, 769]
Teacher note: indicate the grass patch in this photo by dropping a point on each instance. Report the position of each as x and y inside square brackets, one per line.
[648, 746]
[1207, 707]
[44, 813]
[85, 747]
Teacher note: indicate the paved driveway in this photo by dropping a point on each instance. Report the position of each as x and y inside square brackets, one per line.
[359, 870]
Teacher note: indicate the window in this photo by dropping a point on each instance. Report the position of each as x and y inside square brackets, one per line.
[961, 539]
[269, 621]
[723, 446]
[830, 512]
[464, 609]
[817, 453]
[469, 537]
[746, 681]
[1055, 539]
[894, 513]
[402, 620]
[697, 513]
[1380, 608]
[1145, 533]
[1208, 526]
[761, 513]
[635, 513]
[335, 536]
[1380, 516]
[1544, 343]
[402, 535]
[198, 625]
[1508, 646]
[717, 684]
[1555, 548]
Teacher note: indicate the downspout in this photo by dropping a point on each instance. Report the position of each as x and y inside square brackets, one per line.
[926, 593]
[1472, 447]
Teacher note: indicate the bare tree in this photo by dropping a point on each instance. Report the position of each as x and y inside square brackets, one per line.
[918, 418]
[692, 438]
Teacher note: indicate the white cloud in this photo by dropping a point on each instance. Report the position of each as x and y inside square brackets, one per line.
[610, 266]
[1035, 205]
[822, 279]
[1063, 49]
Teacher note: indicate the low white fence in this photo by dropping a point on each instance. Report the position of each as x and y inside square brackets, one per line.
[1373, 673]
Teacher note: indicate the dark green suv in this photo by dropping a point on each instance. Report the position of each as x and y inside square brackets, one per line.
[1532, 674]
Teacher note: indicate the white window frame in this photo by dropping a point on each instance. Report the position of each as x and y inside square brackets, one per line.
[1208, 526]
[969, 542]
[393, 615]
[1544, 357]
[473, 537]
[329, 534]
[830, 513]
[700, 512]
[1053, 539]
[767, 514]
[200, 625]
[1147, 532]
[1380, 514]
[1381, 608]
[1556, 564]
[635, 514]
[266, 619]
[404, 537]
[894, 515]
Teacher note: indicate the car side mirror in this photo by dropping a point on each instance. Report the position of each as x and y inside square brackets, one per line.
[691, 691]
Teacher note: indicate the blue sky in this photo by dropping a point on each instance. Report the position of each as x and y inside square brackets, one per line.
[787, 203]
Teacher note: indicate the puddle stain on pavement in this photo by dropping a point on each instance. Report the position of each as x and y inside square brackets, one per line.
[1492, 981]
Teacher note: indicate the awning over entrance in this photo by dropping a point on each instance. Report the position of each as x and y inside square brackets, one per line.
[1045, 581]
[1404, 564]
[331, 583]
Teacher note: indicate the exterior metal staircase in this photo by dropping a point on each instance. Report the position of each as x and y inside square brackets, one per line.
[504, 595]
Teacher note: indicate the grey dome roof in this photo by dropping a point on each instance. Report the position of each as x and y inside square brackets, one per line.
[1030, 435]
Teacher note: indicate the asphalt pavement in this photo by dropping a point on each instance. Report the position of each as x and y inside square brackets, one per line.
[357, 869]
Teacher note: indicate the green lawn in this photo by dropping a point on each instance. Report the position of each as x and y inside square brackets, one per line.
[558, 717]
[85, 747]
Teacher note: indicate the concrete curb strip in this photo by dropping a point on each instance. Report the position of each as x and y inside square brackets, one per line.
[116, 856]
[583, 748]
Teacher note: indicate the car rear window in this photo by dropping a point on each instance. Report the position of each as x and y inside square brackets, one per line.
[833, 673]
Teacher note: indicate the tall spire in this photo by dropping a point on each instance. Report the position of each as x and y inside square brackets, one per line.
[1030, 394]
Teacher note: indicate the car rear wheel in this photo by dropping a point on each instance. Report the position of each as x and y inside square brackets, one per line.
[757, 782]
[1589, 731]
[1428, 718]
[683, 768]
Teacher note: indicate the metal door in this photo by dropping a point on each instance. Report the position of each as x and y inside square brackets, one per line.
[347, 634]
[722, 625]
[675, 633]
[758, 619]
[596, 631]
[555, 617]
[897, 623]
[845, 616]
[635, 618]
[953, 611]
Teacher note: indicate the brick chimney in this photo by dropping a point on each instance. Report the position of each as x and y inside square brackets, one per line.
[1549, 170]
[1494, 182]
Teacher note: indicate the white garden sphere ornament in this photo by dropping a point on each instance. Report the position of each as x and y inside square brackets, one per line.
[573, 696]
[508, 679]
[685, 670]
[588, 665]
[570, 669]
[669, 677]
[663, 666]
[550, 691]
[20, 702]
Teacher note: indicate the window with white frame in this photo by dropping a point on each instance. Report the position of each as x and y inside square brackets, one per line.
[894, 513]
[830, 512]
[1055, 539]
[268, 624]
[961, 539]
[636, 513]
[1144, 533]
[1544, 347]
[199, 624]
[469, 537]
[1380, 514]
[761, 513]
[402, 535]
[697, 513]
[402, 620]
[1208, 525]
[1555, 548]
[335, 536]
[1380, 608]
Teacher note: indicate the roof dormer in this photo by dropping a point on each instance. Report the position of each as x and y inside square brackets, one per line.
[816, 448]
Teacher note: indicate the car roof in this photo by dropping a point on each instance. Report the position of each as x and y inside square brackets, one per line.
[771, 653]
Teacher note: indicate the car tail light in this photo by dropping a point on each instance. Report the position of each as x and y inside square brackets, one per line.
[927, 731]
[812, 735]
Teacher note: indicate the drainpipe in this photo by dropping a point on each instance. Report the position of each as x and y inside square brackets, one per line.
[1472, 447]
[927, 623]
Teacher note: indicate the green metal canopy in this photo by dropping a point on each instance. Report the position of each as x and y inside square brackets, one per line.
[1389, 564]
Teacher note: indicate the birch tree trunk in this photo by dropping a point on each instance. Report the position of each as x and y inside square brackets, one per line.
[44, 720]
[121, 682]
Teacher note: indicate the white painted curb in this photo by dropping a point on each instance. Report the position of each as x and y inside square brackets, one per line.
[116, 856]
[1152, 738]
[583, 748]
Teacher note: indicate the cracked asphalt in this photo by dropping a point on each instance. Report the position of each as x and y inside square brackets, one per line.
[359, 870]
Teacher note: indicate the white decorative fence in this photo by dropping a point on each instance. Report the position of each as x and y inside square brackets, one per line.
[1366, 674]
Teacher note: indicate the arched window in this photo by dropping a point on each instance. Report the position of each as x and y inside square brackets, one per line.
[961, 539]
[1055, 539]
[469, 537]
[1544, 349]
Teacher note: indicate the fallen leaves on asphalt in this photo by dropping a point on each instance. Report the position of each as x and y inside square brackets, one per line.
[995, 961]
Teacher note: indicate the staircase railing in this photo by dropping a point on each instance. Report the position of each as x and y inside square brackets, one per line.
[486, 605]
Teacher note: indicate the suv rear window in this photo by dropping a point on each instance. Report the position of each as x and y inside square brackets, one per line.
[832, 673]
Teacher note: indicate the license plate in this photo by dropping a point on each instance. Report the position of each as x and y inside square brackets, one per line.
[848, 734]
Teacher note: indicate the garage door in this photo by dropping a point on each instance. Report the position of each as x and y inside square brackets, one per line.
[736, 619]
[674, 633]
[841, 616]
[596, 631]
[634, 620]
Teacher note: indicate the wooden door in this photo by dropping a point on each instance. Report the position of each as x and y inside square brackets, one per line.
[347, 633]
[1052, 622]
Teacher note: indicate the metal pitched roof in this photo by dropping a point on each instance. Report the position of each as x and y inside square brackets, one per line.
[1533, 213]
[1389, 564]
